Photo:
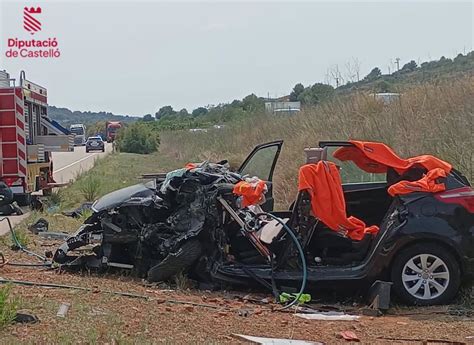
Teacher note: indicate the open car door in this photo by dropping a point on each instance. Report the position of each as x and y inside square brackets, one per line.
[261, 163]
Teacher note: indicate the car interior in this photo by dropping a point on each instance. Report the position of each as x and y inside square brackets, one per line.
[367, 201]
[366, 198]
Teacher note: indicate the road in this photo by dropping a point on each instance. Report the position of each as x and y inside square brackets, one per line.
[67, 166]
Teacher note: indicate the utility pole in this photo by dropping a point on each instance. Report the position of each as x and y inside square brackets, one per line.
[337, 82]
[397, 61]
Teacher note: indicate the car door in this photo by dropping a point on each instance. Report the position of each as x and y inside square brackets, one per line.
[261, 163]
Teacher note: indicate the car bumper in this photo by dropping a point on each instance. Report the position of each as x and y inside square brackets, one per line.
[95, 148]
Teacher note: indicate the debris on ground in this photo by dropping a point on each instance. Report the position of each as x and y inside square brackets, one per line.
[80, 211]
[50, 235]
[275, 341]
[329, 316]
[25, 318]
[349, 335]
[63, 309]
[41, 225]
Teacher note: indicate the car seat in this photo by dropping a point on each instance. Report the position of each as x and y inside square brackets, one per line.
[318, 240]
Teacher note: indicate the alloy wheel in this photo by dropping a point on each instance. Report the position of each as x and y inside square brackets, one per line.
[425, 276]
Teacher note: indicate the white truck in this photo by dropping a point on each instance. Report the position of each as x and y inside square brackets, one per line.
[79, 131]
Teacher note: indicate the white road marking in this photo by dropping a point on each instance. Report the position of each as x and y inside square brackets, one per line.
[74, 163]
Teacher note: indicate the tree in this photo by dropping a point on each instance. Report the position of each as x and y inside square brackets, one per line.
[315, 94]
[409, 67]
[138, 138]
[165, 111]
[374, 74]
[199, 111]
[297, 90]
[183, 112]
[252, 103]
[148, 118]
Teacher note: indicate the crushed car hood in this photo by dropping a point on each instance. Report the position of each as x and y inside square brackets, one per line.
[132, 194]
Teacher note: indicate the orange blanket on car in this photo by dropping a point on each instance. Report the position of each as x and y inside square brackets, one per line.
[375, 157]
[427, 183]
[323, 183]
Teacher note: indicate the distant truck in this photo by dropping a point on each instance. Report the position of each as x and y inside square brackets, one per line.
[79, 131]
[111, 128]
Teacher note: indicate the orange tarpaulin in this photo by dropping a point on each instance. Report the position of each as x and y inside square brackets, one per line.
[427, 183]
[252, 192]
[377, 157]
[323, 183]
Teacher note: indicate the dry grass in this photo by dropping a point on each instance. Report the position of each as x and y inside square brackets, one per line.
[431, 118]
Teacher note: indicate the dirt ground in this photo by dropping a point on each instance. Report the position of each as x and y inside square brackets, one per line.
[97, 316]
[183, 315]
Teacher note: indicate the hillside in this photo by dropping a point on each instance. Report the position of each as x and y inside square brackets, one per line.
[410, 74]
[67, 117]
[430, 118]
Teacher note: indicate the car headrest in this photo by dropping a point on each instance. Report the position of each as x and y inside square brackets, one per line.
[315, 154]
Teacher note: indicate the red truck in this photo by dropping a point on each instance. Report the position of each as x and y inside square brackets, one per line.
[27, 137]
[111, 128]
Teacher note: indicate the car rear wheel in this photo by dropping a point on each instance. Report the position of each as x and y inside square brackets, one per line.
[426, 274]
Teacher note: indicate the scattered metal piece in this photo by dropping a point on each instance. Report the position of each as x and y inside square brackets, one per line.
[25, 318]
[274, 341]
[63, 309]
[329, 316]
[53, 235]
[41, 225]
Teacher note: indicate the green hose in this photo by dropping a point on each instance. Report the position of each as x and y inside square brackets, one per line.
[302, 257]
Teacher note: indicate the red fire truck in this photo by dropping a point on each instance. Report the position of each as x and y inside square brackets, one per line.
[27, 137]
[111, 128]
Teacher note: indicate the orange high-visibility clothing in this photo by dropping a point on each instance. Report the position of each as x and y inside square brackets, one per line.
[323, 182]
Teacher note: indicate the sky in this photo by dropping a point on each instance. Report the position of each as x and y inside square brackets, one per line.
[132, 57]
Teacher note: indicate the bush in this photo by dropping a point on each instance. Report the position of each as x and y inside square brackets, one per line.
[139, 137]
[89, 186]
[8, 306]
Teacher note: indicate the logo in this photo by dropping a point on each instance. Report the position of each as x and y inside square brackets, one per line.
[30, 20]
[26, 47]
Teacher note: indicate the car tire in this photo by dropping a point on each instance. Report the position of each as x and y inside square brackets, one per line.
[427, 267]
[103, 150]
[87, 151]
[176, 262]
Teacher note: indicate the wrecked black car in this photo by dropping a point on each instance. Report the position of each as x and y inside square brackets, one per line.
[361, 214]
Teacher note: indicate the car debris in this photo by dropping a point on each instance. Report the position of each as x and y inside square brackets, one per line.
[79, 211]
[24, 317]
[349, 336]
[274, 341]
[41, 225]
[328, 316]
[51, 235]
[356, 209]
[63, 309]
